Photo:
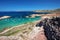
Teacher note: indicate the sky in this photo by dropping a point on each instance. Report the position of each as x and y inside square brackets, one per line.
[28, 5]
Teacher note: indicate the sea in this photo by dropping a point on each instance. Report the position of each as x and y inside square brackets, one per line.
[17, 18]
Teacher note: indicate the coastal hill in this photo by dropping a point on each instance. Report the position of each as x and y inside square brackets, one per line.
[55, 10]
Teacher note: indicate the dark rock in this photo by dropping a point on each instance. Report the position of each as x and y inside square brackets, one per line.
[51, 28]
[39, 24]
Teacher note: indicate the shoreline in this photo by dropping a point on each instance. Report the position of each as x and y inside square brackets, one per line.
[18, 26]
[37, 21]
[10, 29]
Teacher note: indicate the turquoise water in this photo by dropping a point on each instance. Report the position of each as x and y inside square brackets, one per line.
[11, 22]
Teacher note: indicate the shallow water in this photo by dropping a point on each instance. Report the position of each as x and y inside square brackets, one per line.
[17, 18]
[14, 21]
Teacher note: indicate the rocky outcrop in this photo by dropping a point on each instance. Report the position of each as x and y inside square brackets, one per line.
[4, 17]
[51, 28]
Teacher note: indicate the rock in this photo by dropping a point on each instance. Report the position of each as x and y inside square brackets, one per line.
[4, 17]
[51, 28]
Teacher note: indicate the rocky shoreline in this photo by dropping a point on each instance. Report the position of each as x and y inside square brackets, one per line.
[48, 28]
[50, 25]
